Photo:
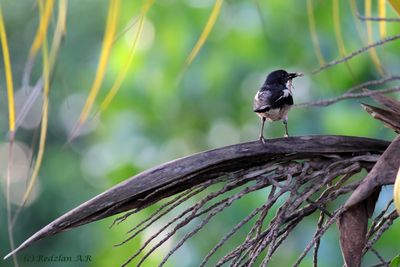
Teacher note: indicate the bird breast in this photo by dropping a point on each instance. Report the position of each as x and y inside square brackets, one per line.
[286, 93]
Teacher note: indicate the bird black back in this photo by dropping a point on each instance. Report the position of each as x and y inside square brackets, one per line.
[272, 96]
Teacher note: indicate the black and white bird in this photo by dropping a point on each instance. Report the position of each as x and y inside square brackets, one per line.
[274, 100]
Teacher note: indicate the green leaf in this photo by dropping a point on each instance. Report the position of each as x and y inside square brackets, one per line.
[395, 262]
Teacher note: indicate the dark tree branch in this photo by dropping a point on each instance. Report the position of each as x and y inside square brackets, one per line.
[368, 84]
[389, 118]
[353, 227]
[320, 222]
[388, 102]
[246, 160]
[383, 173]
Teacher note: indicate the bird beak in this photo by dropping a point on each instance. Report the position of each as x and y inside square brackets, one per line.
[295, 74]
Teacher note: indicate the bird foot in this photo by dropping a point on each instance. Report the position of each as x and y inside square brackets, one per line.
[263, 140]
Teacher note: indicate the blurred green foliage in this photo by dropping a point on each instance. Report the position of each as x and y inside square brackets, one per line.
[159, 115]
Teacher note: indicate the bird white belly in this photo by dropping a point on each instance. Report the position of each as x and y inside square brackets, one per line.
[286, 93]
[276, 114]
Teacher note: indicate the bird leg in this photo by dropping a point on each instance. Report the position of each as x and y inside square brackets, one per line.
[286, 128]
[262, 139]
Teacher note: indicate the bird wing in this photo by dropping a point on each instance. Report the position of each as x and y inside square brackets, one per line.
[269, 97]
[262, 101]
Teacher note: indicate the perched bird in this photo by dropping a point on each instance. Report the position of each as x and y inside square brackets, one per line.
[274, 100]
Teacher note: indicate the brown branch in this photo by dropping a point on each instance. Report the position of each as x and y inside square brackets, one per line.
[383, 173]
[353, 226]
[388, 102]
[378, 18]
[383, 225]
[327, 102]
[379, 256]
[271, 200]
[157, 215]
[376, 220]
[318, 235]
[184, 220]
[284, 221]
[368, 84]
[389, 118]
[320, 223]
[357, 52]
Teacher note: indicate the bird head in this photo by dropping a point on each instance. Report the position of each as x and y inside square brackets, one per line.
[281, 77]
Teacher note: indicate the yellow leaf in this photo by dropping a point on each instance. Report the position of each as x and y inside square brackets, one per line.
[43, 25]
[45, 117]
[396, 192]
[108, 38]
[372, 51]
[11, 115]
[382, 14]
[338, 33]
[313, 33]
[396, 5]
[207, 29]
[59, 32]
[8, 73]
[122, 73]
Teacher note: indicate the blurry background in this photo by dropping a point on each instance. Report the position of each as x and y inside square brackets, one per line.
[163, 112]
